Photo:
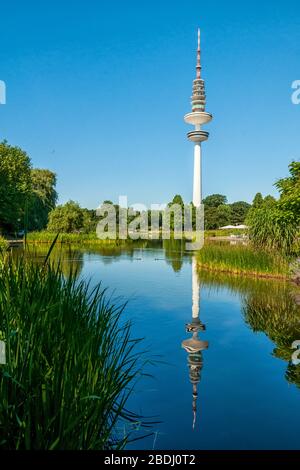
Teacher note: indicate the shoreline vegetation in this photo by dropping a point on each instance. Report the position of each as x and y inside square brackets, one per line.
[243, 261]
[240, 259]
[71, 362]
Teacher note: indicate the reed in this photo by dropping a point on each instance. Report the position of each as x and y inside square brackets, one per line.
[242, 260]
[4, 245]
[71, 363]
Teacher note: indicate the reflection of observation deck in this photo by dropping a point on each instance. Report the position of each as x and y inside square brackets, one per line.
[194, 345]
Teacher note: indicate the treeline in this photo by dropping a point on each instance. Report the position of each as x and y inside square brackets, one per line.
[274, 224]
[27, 194]
[28, 203]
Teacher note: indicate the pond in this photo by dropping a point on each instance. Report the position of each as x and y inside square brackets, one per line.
[219, 348]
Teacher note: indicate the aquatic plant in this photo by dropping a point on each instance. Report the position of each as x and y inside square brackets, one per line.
[71, 363]
[273, 230]
[242, 260]
[3, 244]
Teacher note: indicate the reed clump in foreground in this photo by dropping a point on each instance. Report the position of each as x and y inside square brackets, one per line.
[70, 363]
[243, 260]
[4, 245]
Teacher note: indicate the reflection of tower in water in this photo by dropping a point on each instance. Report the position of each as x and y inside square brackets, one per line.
[194, 346]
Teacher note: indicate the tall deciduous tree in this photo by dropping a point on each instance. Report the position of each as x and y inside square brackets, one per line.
[215, 200]
[67, 218]
[275, 225]
[43, 198]
[257, 201]
[239, 211]
[15, 181]
[289, 189]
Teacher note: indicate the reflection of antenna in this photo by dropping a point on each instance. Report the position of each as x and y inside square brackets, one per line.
[194, 346]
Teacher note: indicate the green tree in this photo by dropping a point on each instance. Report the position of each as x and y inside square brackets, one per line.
[42, 199]
[178, 211]
[90, 220]
[215, 200]
[66, 218]
[239, 211]
[15, 167]
[257, 201]
[177, 200]
[275, 225]
[224, 215]
[269, 201]
[211, 221]
[216, 217]
[289, 189]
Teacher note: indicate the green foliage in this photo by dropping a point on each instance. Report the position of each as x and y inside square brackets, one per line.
[257, 201]
[216, 217]
[3, 244]
[67, 218]
[42, 199]
[73, 238]
[241, 260]
[15, 182]
[272, 229]
[239, 211]
[71, 363]
[289, 189]
[215, 200]
[269, 201]
[274, 224]
[177, 200]
[224, 215]
[219, 214]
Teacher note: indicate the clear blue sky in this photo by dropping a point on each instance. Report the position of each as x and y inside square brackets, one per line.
[97, 90]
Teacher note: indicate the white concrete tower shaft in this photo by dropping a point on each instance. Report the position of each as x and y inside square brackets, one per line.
[197, 189]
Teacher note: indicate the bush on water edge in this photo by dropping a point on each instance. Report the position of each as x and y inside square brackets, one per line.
[242, 260]
[70, 362]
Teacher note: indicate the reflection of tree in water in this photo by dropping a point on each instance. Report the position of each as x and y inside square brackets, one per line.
[174, 252]
[69, 259]
[277, 315]
[268, 307]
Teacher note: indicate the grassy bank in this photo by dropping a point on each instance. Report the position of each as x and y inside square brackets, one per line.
[92, 239]
[70, 362]
[72, 238]
[242, 260]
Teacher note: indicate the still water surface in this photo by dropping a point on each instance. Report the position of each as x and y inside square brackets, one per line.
[233, 386]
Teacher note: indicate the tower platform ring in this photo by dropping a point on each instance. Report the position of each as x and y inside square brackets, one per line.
[198, 118]
[198, 136]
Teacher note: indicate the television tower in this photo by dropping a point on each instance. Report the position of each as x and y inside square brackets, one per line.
[198, 117]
